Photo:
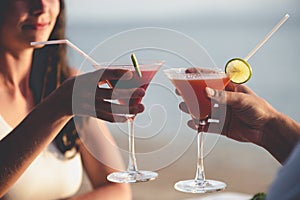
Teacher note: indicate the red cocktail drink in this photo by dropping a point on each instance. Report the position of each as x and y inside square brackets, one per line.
[136, 82]
[192, 89]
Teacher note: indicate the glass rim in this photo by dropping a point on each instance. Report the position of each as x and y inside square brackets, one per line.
[142, 63]
[180, 73]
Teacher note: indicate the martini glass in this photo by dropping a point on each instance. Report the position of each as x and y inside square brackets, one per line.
[191, 86]
[148, 70]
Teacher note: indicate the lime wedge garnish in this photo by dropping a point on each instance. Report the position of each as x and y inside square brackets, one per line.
[136, 65]
[238, 70]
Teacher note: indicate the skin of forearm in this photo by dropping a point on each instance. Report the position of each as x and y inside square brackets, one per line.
[22, 145]
[281, 134]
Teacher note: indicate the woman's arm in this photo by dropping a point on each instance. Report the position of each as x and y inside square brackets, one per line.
[20, 147]
[23, 144]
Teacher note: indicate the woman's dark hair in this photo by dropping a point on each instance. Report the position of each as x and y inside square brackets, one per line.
[49, 69]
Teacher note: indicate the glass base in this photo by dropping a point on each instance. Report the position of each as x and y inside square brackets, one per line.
[193, 186]
[132, 176]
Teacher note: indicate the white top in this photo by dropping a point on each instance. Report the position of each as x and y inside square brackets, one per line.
[50, 175]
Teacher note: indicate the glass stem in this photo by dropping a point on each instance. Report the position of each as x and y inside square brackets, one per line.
[132, 166]
[200, 176]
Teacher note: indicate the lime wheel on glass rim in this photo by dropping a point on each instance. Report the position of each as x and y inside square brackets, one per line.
[238, 70]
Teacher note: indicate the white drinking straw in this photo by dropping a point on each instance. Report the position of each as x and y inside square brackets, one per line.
[264, 40]
[94, 63]
[65, 41]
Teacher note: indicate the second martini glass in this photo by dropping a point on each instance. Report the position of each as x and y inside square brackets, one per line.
[148, 70]
[191, 86]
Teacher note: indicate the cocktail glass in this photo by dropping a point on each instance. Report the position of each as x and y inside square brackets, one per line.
[148, 71]
[191, 86]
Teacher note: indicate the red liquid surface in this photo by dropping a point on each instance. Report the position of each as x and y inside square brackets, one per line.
[135, 82]
[194, 94]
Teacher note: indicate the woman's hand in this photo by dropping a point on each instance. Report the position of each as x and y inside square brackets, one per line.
[84, 95]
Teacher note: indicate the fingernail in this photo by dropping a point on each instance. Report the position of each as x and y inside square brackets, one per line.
[210, 92]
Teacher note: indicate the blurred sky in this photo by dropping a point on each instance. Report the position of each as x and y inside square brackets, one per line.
[126, 10]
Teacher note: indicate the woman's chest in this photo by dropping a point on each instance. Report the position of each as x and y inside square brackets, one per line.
[50, 176]
[14, 108]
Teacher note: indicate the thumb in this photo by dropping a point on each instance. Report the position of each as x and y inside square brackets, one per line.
[224, 97]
